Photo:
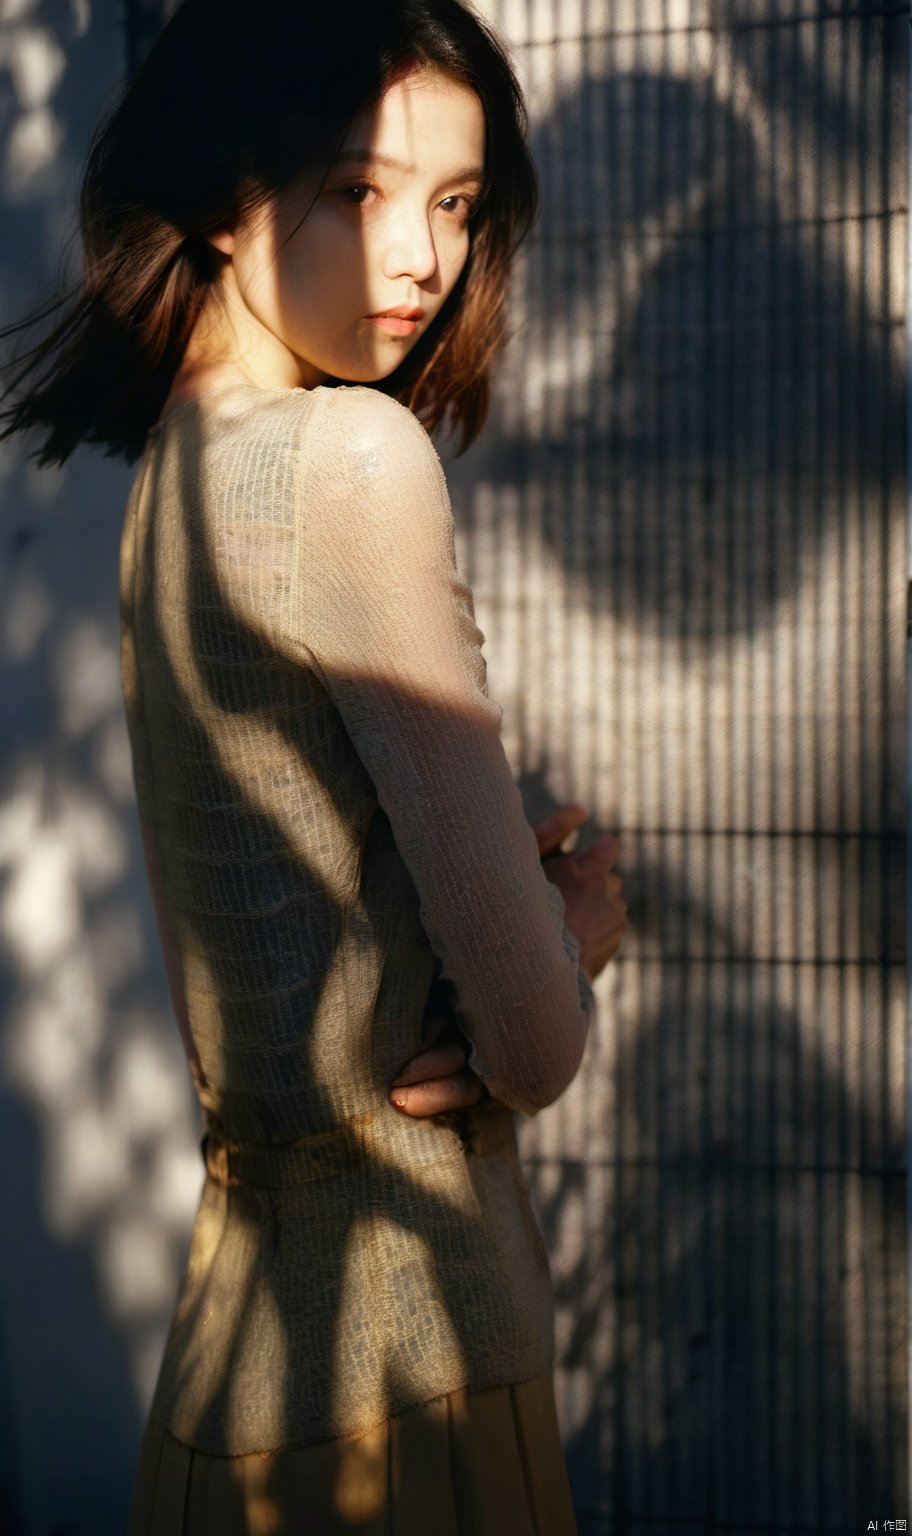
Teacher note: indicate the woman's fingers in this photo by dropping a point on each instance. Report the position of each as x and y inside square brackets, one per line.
[437, 1081]
[605, 850]
[552, 830]
[438, 1095]
[437, 1061]
[594, 908]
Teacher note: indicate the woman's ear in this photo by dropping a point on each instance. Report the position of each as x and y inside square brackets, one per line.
[222, 240]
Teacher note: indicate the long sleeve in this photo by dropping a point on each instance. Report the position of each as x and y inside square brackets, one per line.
[387, 622]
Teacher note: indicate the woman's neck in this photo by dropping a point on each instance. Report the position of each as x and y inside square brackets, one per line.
[228, 345]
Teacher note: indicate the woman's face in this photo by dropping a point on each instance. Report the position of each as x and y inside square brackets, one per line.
[388, 232]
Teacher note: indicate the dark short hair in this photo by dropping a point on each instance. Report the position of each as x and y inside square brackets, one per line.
[235, 102]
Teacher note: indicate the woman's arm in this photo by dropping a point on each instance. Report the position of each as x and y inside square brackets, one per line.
[439, 1079]
[388, 623]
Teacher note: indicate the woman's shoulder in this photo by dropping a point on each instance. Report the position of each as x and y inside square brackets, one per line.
[364, 420]
[360, 440]
[355, 411]
[335, 443]
[350, 429]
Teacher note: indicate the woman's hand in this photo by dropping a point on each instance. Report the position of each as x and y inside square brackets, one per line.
[594, 909]
[437, 1081]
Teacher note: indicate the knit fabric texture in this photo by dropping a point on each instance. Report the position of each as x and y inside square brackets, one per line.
[341, 863]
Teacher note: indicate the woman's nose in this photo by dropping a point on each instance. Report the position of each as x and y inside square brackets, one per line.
[410, 249]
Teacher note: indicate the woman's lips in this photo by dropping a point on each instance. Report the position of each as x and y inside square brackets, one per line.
[401, 321]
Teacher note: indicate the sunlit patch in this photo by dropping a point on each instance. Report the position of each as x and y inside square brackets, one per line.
[87, 674]
[176, 1175]
[87, 1163]
[113, 762]
[82, 16]
[267, 1336]
[103, 1098]
[96, 837]
[36, 63]
[137, 1265]
[31, 151]
[101, 1074]
[54, 1034]
[571, 1236]
[17, 10]
[264, 1518]
[146, 1094]
[40, 911]
[20, 813]
[360, 1486]
[82, 850]
[253, 1474]
[26, 616]
[386, 1264]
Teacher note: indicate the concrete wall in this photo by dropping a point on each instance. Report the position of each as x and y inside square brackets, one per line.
[97, 1131]
[685, 533]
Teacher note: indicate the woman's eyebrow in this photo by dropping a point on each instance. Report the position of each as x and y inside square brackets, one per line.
[371, 157]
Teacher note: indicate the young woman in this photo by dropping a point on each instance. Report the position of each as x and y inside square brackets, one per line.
[297, 232]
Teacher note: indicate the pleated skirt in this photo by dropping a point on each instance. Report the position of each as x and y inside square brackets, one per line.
[483, 1463]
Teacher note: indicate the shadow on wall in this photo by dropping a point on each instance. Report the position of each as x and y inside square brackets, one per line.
[709, 326]
[709, 381]
[98, 1132]
[736, 1274]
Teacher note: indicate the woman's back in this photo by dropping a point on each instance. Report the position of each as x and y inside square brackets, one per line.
[270, 840]
[307, 707]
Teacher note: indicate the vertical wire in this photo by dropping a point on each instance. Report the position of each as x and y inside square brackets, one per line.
[784, 1074]
[866, 814]
[889, 639]
[774, 470]
[647, 1154]
[908, 486]
[657, 1495]
[735, 1465]
[812, 1017]
[841, 315]
[623, 726]
[702, 495]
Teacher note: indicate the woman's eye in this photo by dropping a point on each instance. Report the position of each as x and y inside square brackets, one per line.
[462, 206]
[356, 194]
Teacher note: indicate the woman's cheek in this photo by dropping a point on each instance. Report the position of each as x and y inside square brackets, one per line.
[454, 268]
[456, 250]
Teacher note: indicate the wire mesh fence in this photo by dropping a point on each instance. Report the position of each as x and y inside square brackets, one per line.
[685, 530]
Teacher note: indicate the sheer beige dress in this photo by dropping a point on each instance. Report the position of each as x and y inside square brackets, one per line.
[339, 859]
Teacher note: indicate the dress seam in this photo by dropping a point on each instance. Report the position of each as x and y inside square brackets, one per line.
[358, 1434]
